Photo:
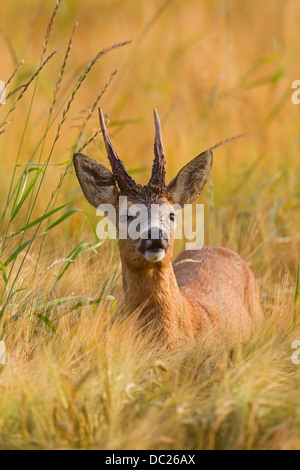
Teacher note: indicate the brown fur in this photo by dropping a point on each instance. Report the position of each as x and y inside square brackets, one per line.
[204, 289]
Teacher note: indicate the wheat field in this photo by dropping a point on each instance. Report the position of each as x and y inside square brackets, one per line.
[78, 374]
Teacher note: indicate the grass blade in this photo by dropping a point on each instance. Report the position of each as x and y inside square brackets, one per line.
[296, 297]
[2, 269]
[25, 195]
[46, 321]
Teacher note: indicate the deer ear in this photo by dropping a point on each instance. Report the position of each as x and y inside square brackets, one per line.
[96, 181]
[191, 179]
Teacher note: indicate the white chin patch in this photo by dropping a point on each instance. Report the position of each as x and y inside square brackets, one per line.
[154, 255]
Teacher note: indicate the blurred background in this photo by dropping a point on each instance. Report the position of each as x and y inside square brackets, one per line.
[75, 376]
[213, 69]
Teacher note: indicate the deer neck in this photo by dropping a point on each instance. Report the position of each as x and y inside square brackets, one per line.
[154, 291]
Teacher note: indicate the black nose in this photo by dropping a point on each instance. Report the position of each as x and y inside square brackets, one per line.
[154, 239]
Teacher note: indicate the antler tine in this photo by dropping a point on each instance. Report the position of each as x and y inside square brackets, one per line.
[124, 180]
[159, 163]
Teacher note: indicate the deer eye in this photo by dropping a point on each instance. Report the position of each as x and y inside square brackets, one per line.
[172, 216]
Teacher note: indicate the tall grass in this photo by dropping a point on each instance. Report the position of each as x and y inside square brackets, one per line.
[78, 374]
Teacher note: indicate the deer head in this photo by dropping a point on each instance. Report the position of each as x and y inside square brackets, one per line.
[156, 227]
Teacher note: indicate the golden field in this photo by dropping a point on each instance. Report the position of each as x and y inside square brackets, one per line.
[78, 375]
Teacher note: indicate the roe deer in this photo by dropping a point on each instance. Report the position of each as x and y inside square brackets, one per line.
[204, 289]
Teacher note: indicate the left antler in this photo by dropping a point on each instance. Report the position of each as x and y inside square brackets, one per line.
[124, 180]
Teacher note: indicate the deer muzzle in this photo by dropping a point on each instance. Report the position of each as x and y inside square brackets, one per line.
[154, 244]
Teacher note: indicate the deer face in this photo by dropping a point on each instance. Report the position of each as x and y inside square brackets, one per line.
[149, 222]
[147, 214]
